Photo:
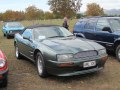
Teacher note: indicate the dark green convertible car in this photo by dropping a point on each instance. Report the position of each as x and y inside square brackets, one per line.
[57, 51]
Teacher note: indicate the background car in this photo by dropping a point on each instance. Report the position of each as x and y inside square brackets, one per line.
[11, 28]
[3, 70]
[57, 51]
[103, 30]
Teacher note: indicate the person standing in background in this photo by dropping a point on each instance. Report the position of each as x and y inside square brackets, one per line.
[65, 23]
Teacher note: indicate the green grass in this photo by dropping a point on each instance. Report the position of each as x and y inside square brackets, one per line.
[23, 74]
[51, 22]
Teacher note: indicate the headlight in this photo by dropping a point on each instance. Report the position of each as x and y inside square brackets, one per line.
[102, 52]
[64, 57]
[2, 63]
[10, 31]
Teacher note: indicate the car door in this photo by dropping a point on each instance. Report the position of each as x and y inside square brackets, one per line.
[105, 38]
[88, 29]
[27, 44]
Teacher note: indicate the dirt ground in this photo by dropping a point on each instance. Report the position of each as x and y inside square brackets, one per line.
[23, 75]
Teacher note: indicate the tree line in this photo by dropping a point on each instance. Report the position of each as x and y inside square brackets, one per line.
[59, 9]
[30, 13]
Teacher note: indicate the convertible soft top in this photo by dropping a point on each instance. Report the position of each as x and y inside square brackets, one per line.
[39, 25]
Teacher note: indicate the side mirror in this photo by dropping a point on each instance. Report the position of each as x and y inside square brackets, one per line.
[27, 38]
[107, 29]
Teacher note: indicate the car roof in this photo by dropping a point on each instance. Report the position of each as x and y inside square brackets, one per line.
[40, 25]
[11, 22]
[96, 17]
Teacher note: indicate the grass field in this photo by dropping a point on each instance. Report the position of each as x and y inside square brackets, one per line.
[23, 74]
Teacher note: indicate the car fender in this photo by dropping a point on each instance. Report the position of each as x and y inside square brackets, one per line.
[117, 42]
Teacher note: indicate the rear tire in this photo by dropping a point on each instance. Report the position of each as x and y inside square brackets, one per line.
[17, 54]
[41, 65]
[118, 53]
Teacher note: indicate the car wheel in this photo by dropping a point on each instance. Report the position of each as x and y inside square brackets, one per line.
[4, 35]
[40, 65]
[17, 54]
[4, 82]
[7, 36]
[118, 53]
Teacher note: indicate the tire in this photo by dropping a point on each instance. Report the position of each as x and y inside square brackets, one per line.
[7, 36]
[118, 53]
[4, 35]
[41, 65]
[4, 82]
[17, 54]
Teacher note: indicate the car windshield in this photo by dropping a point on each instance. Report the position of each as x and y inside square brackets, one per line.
[14, 24]
[50, 32]
[115, 24]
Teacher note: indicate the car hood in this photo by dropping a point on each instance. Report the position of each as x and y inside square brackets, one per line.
[117, 32]
[15, 28]
[71, 45]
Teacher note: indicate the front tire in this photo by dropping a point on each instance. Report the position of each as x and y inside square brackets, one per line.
[4, 82]
[118, 53]
[17, 54]
[41, 65]
[4, 34]
[7, 36]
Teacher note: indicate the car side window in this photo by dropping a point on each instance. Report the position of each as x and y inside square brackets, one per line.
[79, 25]
[90, 25]
[27, 33]
[101, 24]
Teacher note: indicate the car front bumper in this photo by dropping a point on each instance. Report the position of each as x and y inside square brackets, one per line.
[13, 32]
[3, 75]
[73, 68]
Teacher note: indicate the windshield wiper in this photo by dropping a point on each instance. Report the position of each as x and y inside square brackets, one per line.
[69, 35]
[55, 36]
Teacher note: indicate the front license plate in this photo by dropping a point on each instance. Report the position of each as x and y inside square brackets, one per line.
[89, 64]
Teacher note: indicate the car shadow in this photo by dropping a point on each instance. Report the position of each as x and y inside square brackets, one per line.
[3, 88]
[68, 79]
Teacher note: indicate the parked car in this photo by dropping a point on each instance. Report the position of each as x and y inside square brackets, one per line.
[57, 51]
[3, 70]
[103, 30]
[11, 28]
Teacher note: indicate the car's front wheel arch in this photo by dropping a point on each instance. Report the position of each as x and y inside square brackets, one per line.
[35, 53]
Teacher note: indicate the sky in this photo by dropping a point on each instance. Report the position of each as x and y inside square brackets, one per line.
[20, 5]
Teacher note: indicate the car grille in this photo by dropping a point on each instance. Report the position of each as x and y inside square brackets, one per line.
[15, 31]
[86, 54]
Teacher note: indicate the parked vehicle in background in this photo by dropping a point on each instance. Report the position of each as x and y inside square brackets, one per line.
[11, 28]
[57, 51]
[3, 70]
[103, 30]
